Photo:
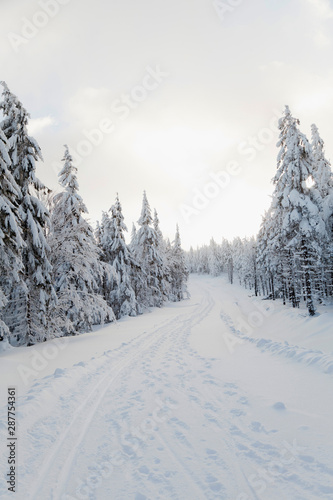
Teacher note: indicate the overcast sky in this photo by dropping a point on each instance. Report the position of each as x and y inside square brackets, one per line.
[185, 95]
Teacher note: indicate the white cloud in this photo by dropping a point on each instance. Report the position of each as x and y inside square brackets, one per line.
[322, 40]
[36, 125]
[273, 65]
[322, 8]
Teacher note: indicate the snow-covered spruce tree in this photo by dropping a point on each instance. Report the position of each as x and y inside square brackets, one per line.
[286, 269]
[133, 237]
[137, 274]
[179, 271]
[237, 246]
[322, 171]
[121, 295]
[299, 238]
[75, 258]
[227, 259]
[147, 284]
[191, 260]
[104, 237]
[164, 272]
[323, 178]
[11, 242]
[169, 259]
[27, 311]
[98, 233]
[241, 258]
[214, 259]
[250, 265]
[268, 258]
[202, 260]
[4, 330]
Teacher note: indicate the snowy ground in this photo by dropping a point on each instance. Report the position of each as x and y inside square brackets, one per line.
[199, 400]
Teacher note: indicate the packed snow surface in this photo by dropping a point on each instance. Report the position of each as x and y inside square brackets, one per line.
[222, 396]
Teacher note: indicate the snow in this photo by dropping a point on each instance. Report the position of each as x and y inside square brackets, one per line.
[180, 403]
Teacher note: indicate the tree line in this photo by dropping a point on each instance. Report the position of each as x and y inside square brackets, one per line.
[58, 276]
[292, 256]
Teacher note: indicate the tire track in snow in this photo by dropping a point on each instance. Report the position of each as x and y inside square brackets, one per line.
[89, 400]
[95, 400]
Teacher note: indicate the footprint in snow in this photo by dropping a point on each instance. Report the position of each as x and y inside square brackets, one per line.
[137, 398]
[236, 431]
[211, 382]
[230, 393]
[213, 483]
[148, 383]
[243, 400]
[279, 406]
[231, 384]
[265, 446]
[213, 420]
[212, 454]
[170, 473]
[179, 422]
[237, 412]
[257, 427]
[154, 478]
[211, 407]
[180, 436]
[242, 447]
[144, 469]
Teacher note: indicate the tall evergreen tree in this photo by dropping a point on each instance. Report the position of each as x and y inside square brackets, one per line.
[298, 207]
[133, 236]
[321, 168]
[179, 271]
[11, 242]
[75, 258]
[163, 272]
[148, 283]
[108, 277]
[228, 262]
[323, 178]
[269, 257]
[29, 303]
[122, 296]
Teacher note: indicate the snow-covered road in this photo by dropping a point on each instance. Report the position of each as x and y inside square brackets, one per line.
[173, 405]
